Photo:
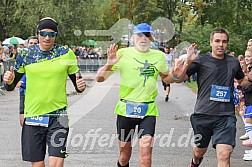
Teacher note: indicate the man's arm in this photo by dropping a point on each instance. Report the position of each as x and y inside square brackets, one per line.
[246, 80]
[177, 75]
[104, 72]
[78, 82]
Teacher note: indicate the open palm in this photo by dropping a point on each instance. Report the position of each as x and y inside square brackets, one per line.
[191, 56]
[111, 54]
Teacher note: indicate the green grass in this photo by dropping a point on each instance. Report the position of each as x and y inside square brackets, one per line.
[193, 86]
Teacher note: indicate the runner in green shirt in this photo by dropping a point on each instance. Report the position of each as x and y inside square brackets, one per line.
[46, 66]
[139, 68]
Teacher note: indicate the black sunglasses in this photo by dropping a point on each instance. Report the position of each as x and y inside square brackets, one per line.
[147, 34]
[50, 34]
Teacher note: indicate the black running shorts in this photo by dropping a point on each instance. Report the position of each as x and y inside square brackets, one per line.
[222, 129]
[35, 138]
[165, 85]
[126, 127]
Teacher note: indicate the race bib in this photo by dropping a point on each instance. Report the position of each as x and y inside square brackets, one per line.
[37, 121]
[136, 110]
[220, 93]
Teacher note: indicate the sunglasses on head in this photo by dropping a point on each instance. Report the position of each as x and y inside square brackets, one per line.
[147, 34]
[49, 34]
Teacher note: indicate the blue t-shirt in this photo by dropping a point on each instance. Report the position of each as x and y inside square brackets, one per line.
[23, 85]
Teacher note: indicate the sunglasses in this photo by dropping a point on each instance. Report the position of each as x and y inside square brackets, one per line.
[147, 34]
[49, 34]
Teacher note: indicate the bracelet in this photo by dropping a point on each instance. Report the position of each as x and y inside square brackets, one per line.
[174, 78]
[249, 80]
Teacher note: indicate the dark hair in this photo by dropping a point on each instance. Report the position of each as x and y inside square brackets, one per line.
[219, 30]
[32, 37]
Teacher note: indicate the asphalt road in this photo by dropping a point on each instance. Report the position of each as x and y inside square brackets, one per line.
[92, 140]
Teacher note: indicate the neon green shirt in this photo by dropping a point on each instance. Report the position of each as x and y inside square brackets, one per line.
[138, 78]
[46, 78]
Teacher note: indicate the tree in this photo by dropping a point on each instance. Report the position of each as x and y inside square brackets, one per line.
[8, 22]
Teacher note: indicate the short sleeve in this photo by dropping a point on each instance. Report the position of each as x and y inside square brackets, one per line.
[72, 63]
[193, 68]
[162, 67]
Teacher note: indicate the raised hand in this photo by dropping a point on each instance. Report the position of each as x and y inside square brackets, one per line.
[180, 68]
[191, 55]
[111, 54]
[9, 76]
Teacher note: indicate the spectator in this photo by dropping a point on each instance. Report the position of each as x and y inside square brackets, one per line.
[249, 45]
[248, 112]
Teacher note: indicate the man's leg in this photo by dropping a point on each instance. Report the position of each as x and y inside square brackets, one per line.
[145, 149]
[165, 88]
[33, 145]
[124, 153]
[57, 137]
[224, 139]
[168, 88]
[146, 131]
[202, 127]
[38, 164]
[56, 161]
[198, 154]
[125, 130]
[224, 152]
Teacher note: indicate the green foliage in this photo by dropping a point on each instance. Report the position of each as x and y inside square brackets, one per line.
[193, 86]
[235, 16]
[193, 19]
[198, 34]
[71, 15]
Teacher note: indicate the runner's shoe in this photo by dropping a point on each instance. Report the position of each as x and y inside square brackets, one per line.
[247, 157]
[244, 137]
[196, 165]
[166, 98]
[248, 151]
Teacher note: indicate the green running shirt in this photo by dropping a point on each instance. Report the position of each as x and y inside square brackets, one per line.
[138, 77]
[46, 73]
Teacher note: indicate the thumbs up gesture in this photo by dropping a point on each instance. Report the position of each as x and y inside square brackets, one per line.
[9, 76]
[81, 85]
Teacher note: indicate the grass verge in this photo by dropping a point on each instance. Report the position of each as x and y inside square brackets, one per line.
[192, 86]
